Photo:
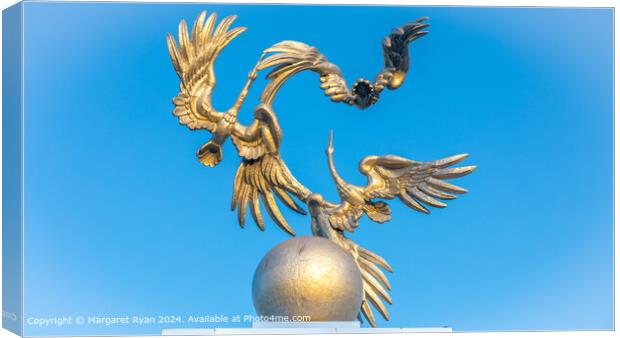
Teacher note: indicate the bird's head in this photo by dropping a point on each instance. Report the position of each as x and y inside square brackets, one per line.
[314, 202]
[364, 93]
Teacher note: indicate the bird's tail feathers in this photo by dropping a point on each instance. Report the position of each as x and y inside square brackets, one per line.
[210, 154]
[378, 211]
[374, 282]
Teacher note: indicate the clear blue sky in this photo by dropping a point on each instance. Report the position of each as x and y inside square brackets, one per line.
[121, 219]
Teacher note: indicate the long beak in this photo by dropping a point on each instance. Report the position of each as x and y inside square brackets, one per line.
[330, 142]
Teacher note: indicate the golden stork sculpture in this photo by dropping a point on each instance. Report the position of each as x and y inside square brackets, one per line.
[263, 177]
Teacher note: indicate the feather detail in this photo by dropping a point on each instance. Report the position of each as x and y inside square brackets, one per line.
[374, 283]
[292, 57]
[193, 59]
[414, 183]
[210, 154]
[261, 179]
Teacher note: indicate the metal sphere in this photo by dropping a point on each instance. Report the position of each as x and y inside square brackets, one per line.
[308, 276]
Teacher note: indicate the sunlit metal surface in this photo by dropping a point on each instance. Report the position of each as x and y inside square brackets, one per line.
[308, 276]
[263, 177]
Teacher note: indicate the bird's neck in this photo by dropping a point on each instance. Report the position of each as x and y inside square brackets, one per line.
[246, 88]
[241, 98]
[340, 183]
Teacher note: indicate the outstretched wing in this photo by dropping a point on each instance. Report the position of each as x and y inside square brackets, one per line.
[262, 174]
[193, 60]
[292, 57]
[396, 54]
[415, 183]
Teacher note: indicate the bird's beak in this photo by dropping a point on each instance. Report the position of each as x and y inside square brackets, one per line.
[330, 147]
[331, 137]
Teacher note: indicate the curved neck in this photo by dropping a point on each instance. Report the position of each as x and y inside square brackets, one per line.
[332, 169]
[244, 92]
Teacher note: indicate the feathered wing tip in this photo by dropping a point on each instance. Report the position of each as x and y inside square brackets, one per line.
[396, 53]
[374, 281]
[433, 188]
[414, 30]
[193, 58]
[264, 180]
[376, 285]
[290, 58]
[197, 49]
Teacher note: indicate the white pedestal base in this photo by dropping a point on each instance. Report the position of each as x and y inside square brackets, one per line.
[306, 325]
[298, 328]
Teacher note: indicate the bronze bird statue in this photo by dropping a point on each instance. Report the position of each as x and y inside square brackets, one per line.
[262, 176]
[193, 61]
[415, 183]
[262, 173]
[392, 176]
